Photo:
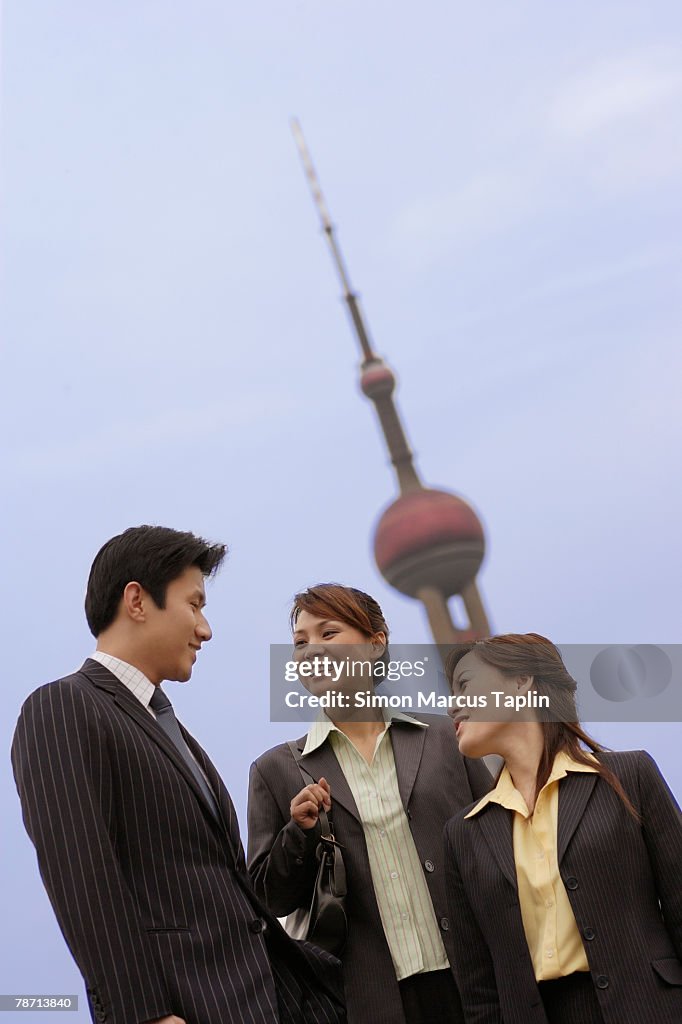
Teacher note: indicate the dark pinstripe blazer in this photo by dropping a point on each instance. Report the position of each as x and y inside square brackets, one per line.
[624, 882]
[150, 891]
[434, 782]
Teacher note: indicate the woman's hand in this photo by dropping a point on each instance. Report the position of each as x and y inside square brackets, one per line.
[305, 807]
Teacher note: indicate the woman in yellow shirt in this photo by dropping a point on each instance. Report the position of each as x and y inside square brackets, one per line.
[565, 879]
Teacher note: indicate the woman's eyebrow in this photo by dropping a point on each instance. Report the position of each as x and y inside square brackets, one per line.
[320, 625]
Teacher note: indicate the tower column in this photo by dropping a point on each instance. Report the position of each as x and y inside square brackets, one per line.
[443, 629]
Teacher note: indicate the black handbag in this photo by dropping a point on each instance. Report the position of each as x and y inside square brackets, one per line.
[324, 922]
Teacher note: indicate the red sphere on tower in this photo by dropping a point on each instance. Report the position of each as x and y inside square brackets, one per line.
[429, 538]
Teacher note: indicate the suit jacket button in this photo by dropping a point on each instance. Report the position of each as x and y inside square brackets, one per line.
[445, 924]
[299, 861]
[571, 882]
[256, 925]
[589, 934]
[428, 864]
[602, 981]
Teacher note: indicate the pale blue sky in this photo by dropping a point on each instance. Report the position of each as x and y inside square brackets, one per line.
[505, 178]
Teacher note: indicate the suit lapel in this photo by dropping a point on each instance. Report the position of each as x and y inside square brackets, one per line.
[408, 746]
[495, 822]
[574, 792]
[228, 813]
[322, 763]
[128, 703]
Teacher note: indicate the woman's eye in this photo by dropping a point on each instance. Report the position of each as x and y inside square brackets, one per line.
[299, 643]
[330, 632]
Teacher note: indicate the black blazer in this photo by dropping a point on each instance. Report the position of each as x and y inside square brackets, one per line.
[434, 781]
[150, 891]
[624, 882]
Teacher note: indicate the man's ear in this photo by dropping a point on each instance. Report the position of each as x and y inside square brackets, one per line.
[134, 598]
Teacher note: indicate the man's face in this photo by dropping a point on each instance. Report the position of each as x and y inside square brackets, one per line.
[174, 634]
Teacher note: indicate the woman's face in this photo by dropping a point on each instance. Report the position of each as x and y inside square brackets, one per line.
[482, 727]
[349, 651]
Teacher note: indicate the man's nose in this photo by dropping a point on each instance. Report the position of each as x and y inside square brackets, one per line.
[203, 629]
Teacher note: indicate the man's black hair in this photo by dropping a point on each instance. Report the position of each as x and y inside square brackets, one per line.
[152, 556]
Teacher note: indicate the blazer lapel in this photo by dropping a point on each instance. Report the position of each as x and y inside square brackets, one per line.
[128, 702]
[408, 746]
[322, 763]
[495, 822]
[228, 813]
[574, 792]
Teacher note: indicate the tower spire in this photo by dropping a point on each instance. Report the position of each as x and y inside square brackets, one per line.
[428, 543]
[349, 295]
[376, 379]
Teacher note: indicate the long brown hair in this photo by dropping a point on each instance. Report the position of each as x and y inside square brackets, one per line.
[529, 654]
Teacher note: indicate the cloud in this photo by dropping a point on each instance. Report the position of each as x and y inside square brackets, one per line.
[615, 91]
[480, 208]
[612, 127]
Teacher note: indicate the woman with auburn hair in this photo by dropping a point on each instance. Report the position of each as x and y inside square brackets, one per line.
[565, 878]
[390, 782]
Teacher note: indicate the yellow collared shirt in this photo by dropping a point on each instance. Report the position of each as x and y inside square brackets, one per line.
[554, 942]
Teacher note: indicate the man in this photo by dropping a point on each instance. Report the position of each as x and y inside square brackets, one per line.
[136, 835]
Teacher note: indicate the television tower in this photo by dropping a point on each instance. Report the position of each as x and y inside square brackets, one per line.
[428, 543]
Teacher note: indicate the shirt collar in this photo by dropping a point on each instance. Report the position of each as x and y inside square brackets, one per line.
[507, 795]
[323, 726]
[131, 677]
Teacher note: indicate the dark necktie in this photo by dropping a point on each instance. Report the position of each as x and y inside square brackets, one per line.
[165, 716]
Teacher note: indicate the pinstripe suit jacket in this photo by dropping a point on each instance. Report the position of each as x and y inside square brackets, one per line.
[150, 891]
[434, 782]
[624, 882]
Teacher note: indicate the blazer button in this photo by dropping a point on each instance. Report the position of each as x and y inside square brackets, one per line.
[602, 981]
[256, 925]
[571, 882]
[299, 861]
[445, 924]
[428, 865]
[589, 934]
